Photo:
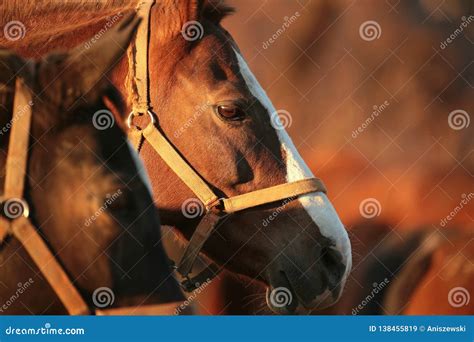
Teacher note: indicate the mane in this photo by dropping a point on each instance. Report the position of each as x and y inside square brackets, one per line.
[24, 10]
[43, 19]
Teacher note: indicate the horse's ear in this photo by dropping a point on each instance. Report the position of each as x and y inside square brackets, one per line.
[82, 70]
[10, 65]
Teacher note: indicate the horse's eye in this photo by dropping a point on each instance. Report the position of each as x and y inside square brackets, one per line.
[230, 112]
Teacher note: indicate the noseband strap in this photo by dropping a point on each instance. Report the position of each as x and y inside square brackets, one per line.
[216, 208]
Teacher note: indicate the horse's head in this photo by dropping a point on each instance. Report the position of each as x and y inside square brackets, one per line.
[213, 110]
[86, 190]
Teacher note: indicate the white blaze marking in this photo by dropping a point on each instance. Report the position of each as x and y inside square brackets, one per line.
[317, 205]
[140, 168]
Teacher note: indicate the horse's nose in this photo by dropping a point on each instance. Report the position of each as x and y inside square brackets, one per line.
[333, 269]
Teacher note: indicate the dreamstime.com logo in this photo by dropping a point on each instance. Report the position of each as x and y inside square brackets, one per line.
[276, 212]
[13, 208]
[370, 208]
[377, 287]
[370, 30]
[281, 119]
[103, 297]
[108, 201]
[192, 296]
[103, 119]
[459, 119]
[21, 112]
[288, 21]
[198, 111]
[377, 110]
[192, 208]
[192, 31]
[47, 329]
[466, 198]
[459, 297]
[465, 21]
[280, 297]
[109, 23]
[14, 30]
[21, 288]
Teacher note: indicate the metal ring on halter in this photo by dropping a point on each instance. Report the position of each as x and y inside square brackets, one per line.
[131, 115]
[24, 209]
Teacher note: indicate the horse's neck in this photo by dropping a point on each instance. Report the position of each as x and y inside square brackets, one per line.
[48, 25]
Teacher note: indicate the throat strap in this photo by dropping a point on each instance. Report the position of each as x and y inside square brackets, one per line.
[177, 163]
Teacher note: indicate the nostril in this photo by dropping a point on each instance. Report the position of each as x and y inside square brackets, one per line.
[331, 261]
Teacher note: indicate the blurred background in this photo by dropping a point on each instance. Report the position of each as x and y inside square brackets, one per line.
[378, 98]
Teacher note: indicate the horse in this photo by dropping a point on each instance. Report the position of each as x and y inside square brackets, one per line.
[211, 111]
[85, 192]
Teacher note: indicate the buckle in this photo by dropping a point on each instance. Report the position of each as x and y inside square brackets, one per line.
[216, 205]
[132, 115]
[14, 208]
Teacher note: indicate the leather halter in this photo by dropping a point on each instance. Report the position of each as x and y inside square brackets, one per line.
[15, 221]
[216, 208]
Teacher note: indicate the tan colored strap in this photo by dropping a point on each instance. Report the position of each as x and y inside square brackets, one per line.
[21, 227]
[272, 194]
[19, 142]
[174, 160]
[17, 148]
[49, 267]
[202, 232]
[141, 100]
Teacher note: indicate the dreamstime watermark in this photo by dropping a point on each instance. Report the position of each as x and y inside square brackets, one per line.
[192, 30]
[281, 119]
[108, 201]
[459, 297]
[288, 21]
[47, 329]
[14, 30]
[198, 111]
[466, 198]
[107, 26]
[370, 208]
[459, 119]
[103, 297]
[20, 113]
[370, 30]
[377, 287]
[192, 296]
[103, 119]
[192, 208]
[280, 297]
[276, 212]
[21, 288]
[464, 24]
[13, 208]
[377, 110]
